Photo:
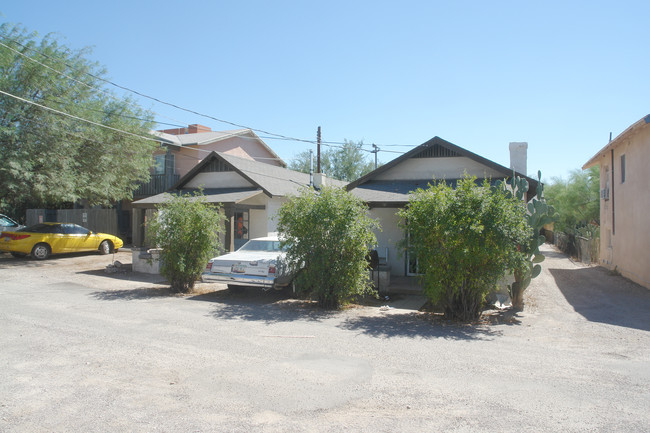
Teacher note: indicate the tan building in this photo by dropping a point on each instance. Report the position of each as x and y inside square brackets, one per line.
[183, 149]
[625, 202]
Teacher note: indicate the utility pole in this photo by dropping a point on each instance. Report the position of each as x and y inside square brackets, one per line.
[375, 151]
[318, 150]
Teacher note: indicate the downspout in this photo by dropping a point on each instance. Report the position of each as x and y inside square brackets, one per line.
[613, 207]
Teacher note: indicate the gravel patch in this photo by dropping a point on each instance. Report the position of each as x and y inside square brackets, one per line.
[84, 350]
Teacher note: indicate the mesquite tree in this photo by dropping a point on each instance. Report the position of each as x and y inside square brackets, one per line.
[52, 149]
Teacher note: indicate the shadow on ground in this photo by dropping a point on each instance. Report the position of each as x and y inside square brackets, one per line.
[133, 294]
[8, 261]
[427, 326]
[417, 325]
[257, 305]
[276, 307]
[125, 274]
[600, 296]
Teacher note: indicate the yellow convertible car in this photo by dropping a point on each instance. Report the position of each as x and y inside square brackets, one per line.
[42, 240]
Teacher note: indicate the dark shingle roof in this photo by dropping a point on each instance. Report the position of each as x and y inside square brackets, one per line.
[273, 180]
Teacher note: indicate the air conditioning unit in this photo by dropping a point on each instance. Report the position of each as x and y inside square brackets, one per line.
[604, 194]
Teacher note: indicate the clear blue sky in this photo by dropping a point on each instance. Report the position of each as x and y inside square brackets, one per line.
[560, 75]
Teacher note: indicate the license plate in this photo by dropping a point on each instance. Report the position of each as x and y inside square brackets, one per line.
[238, 269]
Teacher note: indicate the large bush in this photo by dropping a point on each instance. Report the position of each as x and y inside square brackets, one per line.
[187, 229]
[327, 235]
[465, 240]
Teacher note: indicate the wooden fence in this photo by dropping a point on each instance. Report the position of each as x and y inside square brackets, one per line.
[112, 221]
[583, 249]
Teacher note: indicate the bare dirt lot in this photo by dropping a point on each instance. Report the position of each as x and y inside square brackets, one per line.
[82, 350]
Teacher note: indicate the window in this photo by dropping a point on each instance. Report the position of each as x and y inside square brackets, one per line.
[74, 229]
[241, 225]
[159, 164]
[44, 228]
[162, 161]
[622, 168]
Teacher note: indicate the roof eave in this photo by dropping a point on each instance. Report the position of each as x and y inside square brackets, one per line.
[437, 140]
[595, 160]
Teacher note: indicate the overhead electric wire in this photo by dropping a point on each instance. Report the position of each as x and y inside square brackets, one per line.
[145, 95]
[77, 117]
[65, 102]
[104, 91]
[272, 135]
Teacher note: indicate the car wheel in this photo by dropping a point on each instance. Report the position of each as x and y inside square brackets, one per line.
[41, 251]
[105, 247]
[18, 255]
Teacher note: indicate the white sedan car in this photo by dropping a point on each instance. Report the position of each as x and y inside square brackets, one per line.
[258, 263]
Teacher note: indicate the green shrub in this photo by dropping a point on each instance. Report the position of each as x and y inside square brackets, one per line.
[187, 229]
[465, 240]
[327, 235]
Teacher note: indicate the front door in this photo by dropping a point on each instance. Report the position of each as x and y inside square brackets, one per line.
[412, 267]
[242, 225]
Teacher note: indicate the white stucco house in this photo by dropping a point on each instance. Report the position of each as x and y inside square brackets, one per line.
[387, 189]
[250, 191]
[625, 202]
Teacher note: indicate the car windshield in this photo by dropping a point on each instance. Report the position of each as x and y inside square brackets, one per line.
[43, 228]
[5, 221]
[259, 245]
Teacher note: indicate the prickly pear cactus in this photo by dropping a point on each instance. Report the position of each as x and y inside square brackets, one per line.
[539, 214]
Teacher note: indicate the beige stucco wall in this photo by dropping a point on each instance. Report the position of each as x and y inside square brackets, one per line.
[389, 238]
[272, 208]
[263, 221]
[624, 234]
[244, 147]
[221, 179]
[187, 157]
[444, 168]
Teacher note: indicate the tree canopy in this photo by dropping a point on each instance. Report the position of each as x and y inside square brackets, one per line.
[348, 162]
[576, 200]
[48, 158]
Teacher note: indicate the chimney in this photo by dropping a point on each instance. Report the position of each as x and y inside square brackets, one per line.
[190, 129]
[519, 157]
[196, 128]
[320, 180]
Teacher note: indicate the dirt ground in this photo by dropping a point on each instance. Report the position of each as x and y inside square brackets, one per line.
[85, 350]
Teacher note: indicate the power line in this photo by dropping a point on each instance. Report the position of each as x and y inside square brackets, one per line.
[143, 94]
[271, 134]
[66, 102]
[106, 92]
[77, 117]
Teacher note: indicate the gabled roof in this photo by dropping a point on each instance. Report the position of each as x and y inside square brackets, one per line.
[203, 138]
[615, 142]
[211, 195]
[440, 145]
[274, 181]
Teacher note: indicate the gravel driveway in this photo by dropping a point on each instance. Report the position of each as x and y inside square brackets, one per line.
[86, 351]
